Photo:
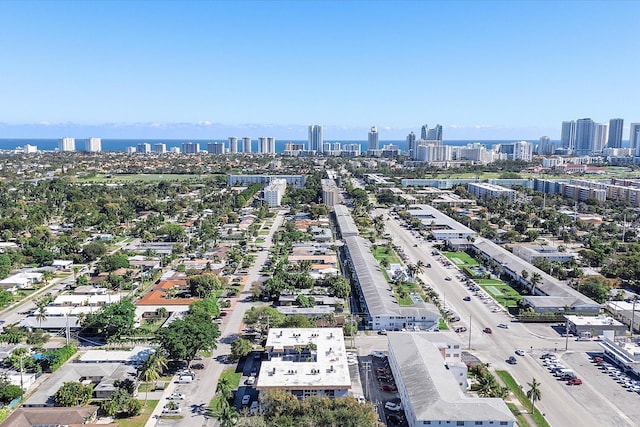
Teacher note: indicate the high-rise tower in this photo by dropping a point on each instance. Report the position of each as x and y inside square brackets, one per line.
[233, 144]
[424, 130]
[315, 138]
[634, 138]
[585, 132]
[435, 134]
[374, 142]
[600, 137]
[568, 136]
[615, 133]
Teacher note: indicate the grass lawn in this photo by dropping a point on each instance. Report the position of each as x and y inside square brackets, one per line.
[501, 292]
[522, 397]
[263, 232]
[141, 419]
[460, 258]
[522, 421]
[259, 240]
[442, 325]
[144, 177]
[380, 253]
[234, 380]
[408, 288]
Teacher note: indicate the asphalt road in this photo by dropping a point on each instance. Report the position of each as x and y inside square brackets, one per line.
[200, 392]
[560, 405]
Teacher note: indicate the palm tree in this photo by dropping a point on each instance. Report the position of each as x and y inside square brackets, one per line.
[412, 269]
[228, 417]
[486, 384]
[534, 393]
[41, 313]
[152, 368]
[419, 267]
[224, 390]
[535, 280]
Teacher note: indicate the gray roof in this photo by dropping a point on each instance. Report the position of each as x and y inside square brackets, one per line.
[549, 285]
[375, 288]
[431, 389]
[346, 224]
[73, 372]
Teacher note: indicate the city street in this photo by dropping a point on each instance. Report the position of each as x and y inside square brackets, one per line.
[200, 392]
[561, 407]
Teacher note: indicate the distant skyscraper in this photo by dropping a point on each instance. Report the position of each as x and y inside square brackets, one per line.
[233, 144]
[143, 148]
[67, 144]
[634, 138]
[315, 138]
[545, 146]
[266, 145]
[93, 145]
[374, 142]
[160, 148]
[190, 147]
[423, 132]
[615, 133]
[600, 137]
[585, 132]
[568, 136]
[215, 148]
[411, 143]
[246, 144]
[271, 144]
[435, 134]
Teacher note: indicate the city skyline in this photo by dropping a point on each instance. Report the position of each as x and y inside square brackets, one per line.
[211, 69]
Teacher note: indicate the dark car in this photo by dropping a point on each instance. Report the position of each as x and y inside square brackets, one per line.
[487, 330]
[197, 366]
[395, 419]
[512, 360]
[467, 298]
[388, 387]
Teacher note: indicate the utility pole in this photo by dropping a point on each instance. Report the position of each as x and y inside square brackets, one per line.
[469, 331]
[566, 333]
[633, 315]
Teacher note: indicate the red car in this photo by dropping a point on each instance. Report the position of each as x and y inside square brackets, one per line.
[487, 330]
[574, 381]
[388, 388]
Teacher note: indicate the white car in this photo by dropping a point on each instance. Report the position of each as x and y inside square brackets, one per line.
[176, 396]
[171, 409]
[361, 399]
[393, 406]
[250, 381]
[520, 352]
[379, 355]
[503, 326]
[246, 399]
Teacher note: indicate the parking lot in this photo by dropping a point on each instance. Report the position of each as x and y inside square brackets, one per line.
[616, 405]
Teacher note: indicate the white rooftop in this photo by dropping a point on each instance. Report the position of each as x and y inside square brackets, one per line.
[286, 370]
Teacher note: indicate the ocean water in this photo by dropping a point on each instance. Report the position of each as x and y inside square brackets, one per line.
[122, 144]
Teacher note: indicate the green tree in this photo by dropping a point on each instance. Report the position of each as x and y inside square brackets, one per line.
[94, 250]
[534, 393]
[184, 338]
[203, 285]
[73, 394]
[223, 389]
[240, 348]
[112, 262]
[112, 321]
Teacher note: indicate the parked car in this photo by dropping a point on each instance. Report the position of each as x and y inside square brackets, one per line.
[176, 396]
[520, 352]
[392, 406]
[171, 408]
[454, 319]
[574, 381]
[382, 332]
[503, 326]
[379, 355]
[395, 419]
[461, 329]
[467, 298]
[246, 399]
[448, 279]
[197, 366]
[512, 360]
[487, 330]
[388, 387]
[250, 381]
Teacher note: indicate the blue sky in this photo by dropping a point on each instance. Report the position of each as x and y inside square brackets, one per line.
[484, 70]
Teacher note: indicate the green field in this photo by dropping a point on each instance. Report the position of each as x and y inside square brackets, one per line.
[460, 258]
[501, 292]
[380, 253]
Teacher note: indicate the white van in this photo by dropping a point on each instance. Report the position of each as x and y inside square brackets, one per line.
[185, 379]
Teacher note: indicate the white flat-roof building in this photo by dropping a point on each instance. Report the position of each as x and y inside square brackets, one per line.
[484, 191]
[624, 351]
[530, 253]
[306, 362]
[442, 226]
[594, 325]
[431, 391]
[274, 191]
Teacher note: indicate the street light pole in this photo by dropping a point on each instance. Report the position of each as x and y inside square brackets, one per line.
[566, 333]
